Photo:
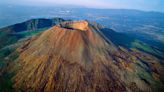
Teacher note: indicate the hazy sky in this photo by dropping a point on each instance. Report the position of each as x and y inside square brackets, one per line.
[150, 5]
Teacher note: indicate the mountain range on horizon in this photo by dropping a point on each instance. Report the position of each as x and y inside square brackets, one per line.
[57, 55]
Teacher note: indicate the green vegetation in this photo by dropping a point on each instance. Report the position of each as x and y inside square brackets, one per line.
[146, 48]
[4, 53]
[157, 86]
[30, 33]
[11, 38]
[6, 50]
[131, 42]
[5, 77]
[138, 44]
[7, 39]
[6, 83]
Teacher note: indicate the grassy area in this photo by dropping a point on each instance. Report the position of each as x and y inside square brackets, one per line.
[30, 33]
[7, 39]
[142, 46]
[147, 48]
[11, 38]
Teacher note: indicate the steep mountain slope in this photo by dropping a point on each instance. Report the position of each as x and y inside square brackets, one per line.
[11, 37]
[75, 56]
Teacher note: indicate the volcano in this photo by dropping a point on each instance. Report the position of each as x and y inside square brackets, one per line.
[75, 56]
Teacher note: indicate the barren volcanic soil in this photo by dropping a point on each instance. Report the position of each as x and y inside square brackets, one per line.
[74, 56]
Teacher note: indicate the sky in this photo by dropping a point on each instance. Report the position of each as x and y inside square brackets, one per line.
[147, 5]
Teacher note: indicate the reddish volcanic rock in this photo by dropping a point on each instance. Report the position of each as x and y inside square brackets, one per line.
[74, 56]
[78, 25]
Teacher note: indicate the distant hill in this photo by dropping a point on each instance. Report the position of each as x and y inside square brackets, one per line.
[13, 33]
